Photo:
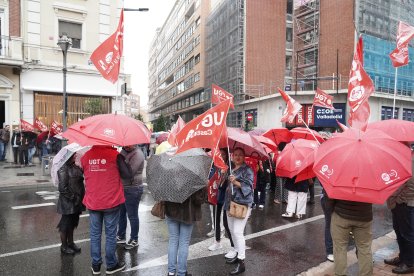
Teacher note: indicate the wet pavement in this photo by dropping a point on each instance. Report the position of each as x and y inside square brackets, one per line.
[30, 243]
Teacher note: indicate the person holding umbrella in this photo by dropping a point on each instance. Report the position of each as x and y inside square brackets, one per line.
[240, 191]
[71, 192]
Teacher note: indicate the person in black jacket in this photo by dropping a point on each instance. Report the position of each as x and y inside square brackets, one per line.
[71, 192]
[16, 141]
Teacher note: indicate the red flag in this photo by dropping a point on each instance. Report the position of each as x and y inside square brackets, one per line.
[218, 160]
[177, 127]
[107, 57]
[292, 107]
[212, 194]
[26, 126]
[56, 128]
[219, 95]
[360, 85]
[205, 130]
[342, 126]
[40, 125]
[399, 57]
[322, 99]
[359, 118]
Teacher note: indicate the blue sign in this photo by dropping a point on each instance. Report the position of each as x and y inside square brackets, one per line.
[325, 117]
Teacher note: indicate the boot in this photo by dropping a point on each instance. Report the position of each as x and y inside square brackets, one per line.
[240, 268]
[232, 260]
[67, 250]
[75, 248]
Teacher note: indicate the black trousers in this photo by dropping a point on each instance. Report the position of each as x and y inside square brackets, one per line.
[15, 154]
[403, 223]
[217, 213]
[24, 156]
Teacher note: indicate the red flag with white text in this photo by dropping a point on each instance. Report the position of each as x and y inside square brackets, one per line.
[26, 126]
[322, 99]
[218, 159]
[212, 189]
[360, 85]
[399, 57]
[205, 130]
[56, 128]
[40, 125]
[359, 119]
[177, 127]
[292, 107]
[219, 95]
[107, 57]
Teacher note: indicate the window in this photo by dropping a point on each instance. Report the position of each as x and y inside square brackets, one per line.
[197, 59]
[386, 112]
[408, 115]
[73, 31]
[196, 77]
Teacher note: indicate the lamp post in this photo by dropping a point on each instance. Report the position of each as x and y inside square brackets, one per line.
[64, 43]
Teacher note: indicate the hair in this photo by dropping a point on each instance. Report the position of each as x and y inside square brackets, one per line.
[226, 155]
[241, 149]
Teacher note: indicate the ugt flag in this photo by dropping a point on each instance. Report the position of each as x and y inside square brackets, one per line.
[26, 126]
[322, 99]
[107, 57]
[219, 95]
[218, 159]
[399, 57]
[56, 128]
[292, 107]
[40, 125]
[205, 130]
[177, 127]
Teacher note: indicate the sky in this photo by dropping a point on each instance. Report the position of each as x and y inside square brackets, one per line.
[139, 30]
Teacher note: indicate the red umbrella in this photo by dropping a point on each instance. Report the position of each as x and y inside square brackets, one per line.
[362, 166]
[278, 135]
[108, 129]
[257, 132]
[400, 130]
[240, 139]
[161, 138]
[291, 160]
[307, 165]
[268, 143]
[304, 133]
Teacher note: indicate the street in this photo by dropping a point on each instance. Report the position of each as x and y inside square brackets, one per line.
[30, 243]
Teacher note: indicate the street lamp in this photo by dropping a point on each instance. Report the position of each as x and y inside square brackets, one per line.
[64, 43]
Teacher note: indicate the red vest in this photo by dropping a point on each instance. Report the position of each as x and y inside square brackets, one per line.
[103, 187]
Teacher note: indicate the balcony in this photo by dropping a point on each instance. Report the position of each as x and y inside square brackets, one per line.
[11, 51]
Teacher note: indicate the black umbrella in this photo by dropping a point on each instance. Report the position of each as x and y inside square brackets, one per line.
[175, 178]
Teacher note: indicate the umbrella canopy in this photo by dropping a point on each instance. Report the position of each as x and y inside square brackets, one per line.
[362, 166]
[268, 143]
[304, 133]
[165, 147]
[291, 160]
[240, 139]
[279, 135]
[175, 178]
[108, 129]
[64, 155]
[400, 130]
[161, 138]
[306, 170]
[256, 132]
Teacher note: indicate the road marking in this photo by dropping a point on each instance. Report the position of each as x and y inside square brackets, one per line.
[84, 216]
[5, 191]
[49, 197]
[199, 250]
[37, 249]
[32, 206]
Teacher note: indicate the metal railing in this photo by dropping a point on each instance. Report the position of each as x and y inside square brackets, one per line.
[11, 48]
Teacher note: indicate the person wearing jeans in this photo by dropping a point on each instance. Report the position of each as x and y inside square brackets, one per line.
[180, 218]
[4, 141]
[131, 164]
[327, 211]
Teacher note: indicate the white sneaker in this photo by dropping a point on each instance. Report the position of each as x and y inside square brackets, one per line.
[261, 207]
[330, 257]
[216, 245]
[287, 215]
[231, 254]
[211, 233]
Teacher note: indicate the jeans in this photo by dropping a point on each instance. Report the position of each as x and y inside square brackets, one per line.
[328, 238]
[111, 219]
[403, 224]
[3, 149]
[32, 151]
[178, 243]
[362, 230]
[130, 208]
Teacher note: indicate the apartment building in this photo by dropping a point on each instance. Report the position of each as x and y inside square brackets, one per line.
[176, 63]
[87, 23]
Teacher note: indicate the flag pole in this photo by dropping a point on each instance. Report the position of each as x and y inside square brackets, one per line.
[310, 131]
[395, 92]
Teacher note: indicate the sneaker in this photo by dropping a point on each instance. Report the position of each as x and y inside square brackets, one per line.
[211, 233]
[276, 201]
[287, 215]
[231, 254]
[299, 216]
[120, 240]
[96, 269]
[131, 244]
[330, 257]
[261, 207]
[216, 245]
[118, 267]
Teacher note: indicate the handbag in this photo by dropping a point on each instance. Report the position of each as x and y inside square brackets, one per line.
[237, 210]
[158, 210]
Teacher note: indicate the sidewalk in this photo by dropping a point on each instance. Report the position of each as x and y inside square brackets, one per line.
[383, 247]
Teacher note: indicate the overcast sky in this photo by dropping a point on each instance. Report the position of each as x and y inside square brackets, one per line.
[139, 30]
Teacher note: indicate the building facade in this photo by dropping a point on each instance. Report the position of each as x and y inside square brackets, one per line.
[176, 65]
[87, 23]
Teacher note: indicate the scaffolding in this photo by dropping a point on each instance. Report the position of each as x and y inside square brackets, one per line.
[306, 43]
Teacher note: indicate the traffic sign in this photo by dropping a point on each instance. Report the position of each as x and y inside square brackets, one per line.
[249, 117]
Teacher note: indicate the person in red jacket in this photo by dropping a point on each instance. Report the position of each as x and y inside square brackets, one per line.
[104, 194]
